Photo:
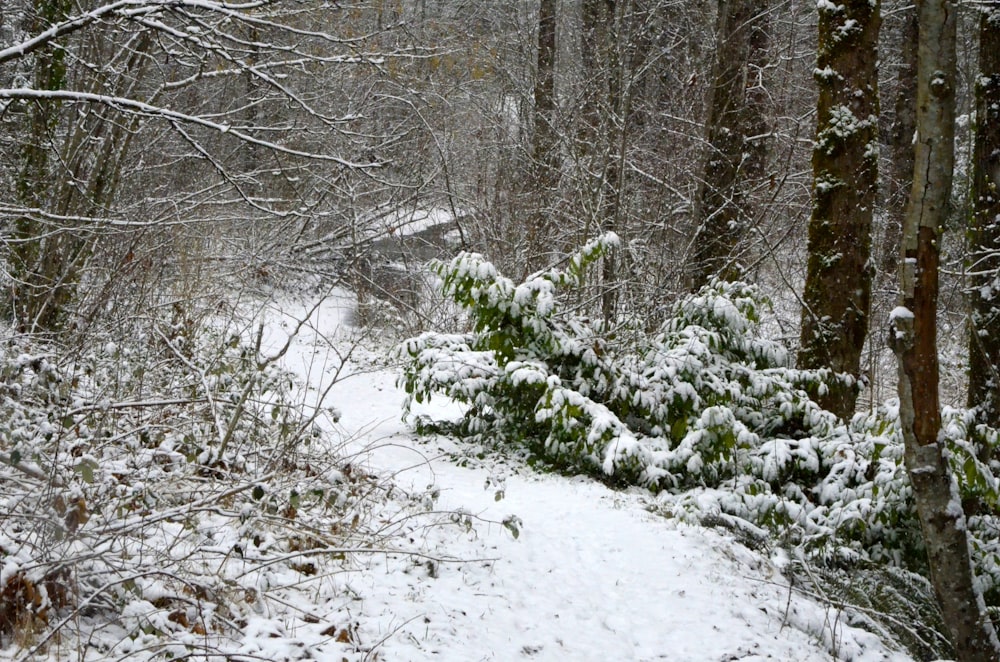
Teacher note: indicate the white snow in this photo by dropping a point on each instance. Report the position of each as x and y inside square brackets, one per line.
[901, 313]
[591, 574]
[402, 223]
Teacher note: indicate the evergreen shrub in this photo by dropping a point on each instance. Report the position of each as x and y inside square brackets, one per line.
[707, 412]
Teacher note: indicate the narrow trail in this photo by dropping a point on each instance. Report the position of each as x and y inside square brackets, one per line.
[591, 575]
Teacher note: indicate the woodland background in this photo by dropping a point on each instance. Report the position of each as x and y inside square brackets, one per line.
[165, 163]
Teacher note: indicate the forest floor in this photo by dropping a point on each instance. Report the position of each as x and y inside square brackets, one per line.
[526, 565]
[351, 538]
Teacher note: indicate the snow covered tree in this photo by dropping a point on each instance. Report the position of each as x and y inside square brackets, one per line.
[913, 334]
[154, 129]
[837, 297]
[984, 233]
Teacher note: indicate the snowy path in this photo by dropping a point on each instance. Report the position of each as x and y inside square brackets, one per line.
[592, 575]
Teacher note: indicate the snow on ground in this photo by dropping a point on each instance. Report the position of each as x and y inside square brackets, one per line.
[590, 575]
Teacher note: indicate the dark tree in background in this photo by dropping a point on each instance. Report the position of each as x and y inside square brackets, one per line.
[984, 233]
[900, 137]
[43, 264]
[737, 133]
[837, 294]
[545, 140]
[605, 117]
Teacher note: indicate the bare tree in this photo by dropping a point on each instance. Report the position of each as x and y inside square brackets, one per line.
[545, 140]
[913, 334]
[237, 139]
[604, 115]
[837, 293]
[42, 268]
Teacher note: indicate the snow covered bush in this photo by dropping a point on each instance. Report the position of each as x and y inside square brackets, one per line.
[690, 406]
[125, 431]
[164, 485]
[707, 412]
[518, 355]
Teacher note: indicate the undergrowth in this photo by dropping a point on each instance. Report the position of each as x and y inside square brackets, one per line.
[167, 494]
[706, 412]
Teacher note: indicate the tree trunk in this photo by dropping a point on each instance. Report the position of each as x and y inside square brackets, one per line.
[38, 271]
[736, 131]
[605, 117]
[545, 142]
[900, 178]
[837, 293]
[984, 235]
[913, 334]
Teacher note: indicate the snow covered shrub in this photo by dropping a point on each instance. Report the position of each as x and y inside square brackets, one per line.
[853, 501]
[707, 412]
[513, 369]
[690, 406]
[706, 403]
[115, 459]
[842, 496]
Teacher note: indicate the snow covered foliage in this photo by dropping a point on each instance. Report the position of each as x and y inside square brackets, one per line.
[163, 490]
[690, 406]
[707, 412]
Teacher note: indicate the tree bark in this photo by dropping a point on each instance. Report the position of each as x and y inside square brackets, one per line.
[837, 293]
[736, 131]
[545, 141]
[900, 178]
[913, 334]
[984, 233]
